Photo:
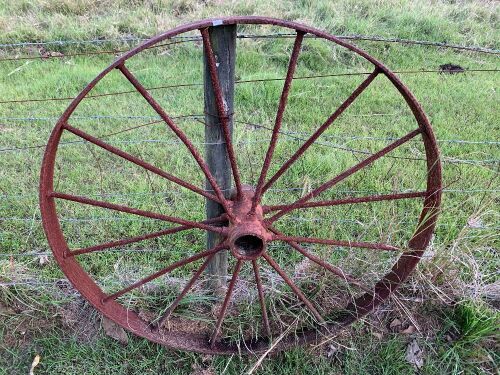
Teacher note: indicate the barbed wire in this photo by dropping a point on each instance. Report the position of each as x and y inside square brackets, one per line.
[52, 55]
[363, 37]
[374, 38]
[136, 141]
[94, 96]
[89, 117]
[294, 136]
[34, 282]
[179, 85]
[97, 41]
[64, 285]
[289, 134]
[63, 42]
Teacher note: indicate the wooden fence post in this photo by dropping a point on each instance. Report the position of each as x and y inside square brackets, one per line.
[223, 40]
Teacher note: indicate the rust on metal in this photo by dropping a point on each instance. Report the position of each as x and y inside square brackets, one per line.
[147, 236]
[247, 235]
[351, 200]
[279, 117]
[189, 285]
[246, 226]
[162, 272]
[179, 133]
[260, 290]
[227, 299]
[322, 128]
[221, 107]
[337, 271]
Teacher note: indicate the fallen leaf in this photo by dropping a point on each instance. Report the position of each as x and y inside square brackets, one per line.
[378, 335]
[4, 128]
[35, 363]
[475, 222]
[207, 358]
[43, 259]
[331, 350]
[302, 268]
[396, 322]
[198, 370]
[414, 354]
[408, 331]
[306, 187]
[114, 331]
[6, 310]
[47, 54]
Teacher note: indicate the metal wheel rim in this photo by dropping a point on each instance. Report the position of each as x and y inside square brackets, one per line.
[199, 343]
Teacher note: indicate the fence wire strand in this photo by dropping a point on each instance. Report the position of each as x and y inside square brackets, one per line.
[194, 84]
[362, 37]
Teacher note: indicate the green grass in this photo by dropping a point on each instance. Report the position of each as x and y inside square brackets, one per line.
[473, 331]
[472, 351]
[460, 107]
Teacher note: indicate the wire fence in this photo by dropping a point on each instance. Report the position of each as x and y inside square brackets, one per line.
[444, 159]
[345, 138]
[45, 251]
[199, 84]
[194, 116]
[278, 190]
[370, 38]
[295, 135]
[52, 55]
[291, 137]
[157, 250]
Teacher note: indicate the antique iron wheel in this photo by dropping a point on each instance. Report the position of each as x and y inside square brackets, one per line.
[247, 225]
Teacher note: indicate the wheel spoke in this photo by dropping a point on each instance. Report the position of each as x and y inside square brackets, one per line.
[225, 304]
[139, 162]
[127, 241]
[344, 175]
[337, 271]
[279, 118]
[350, 200]
[188, 286]
[135, 211]
[323, 241]
[321, 129]
[265, 319]
[162, 272]
[294, 288]
[221, 109]
[168, 120]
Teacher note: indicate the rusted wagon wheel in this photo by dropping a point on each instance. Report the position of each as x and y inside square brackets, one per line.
[247, 227]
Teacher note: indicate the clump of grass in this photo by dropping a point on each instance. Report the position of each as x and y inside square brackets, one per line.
[472, 330]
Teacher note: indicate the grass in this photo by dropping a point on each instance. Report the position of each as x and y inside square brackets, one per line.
[472, 326]
[461, 264]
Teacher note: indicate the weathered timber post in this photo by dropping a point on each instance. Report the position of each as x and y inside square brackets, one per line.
[223, 40]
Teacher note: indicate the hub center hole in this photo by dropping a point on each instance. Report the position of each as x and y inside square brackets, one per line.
[249, 245]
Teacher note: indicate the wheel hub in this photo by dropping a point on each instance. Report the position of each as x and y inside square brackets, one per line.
[248, 235]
